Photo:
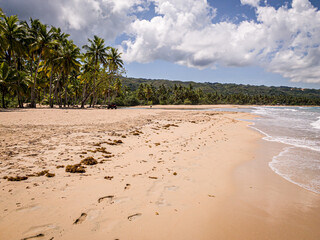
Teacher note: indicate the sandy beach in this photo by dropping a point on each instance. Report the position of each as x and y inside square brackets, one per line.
[155, 174]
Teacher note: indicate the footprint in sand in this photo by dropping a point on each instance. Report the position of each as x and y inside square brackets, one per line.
[108, 199]
[82, 217]
[121, 199]
[35, 236]
[28, 208]
[134, 216]
[171, 188]
[161, 202]
[39, 231]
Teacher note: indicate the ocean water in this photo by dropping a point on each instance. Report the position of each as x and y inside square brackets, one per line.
[299, 129]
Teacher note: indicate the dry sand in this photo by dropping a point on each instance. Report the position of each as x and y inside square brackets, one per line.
[176, 175]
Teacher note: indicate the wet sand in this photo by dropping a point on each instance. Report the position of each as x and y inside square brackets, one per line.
[160, 174]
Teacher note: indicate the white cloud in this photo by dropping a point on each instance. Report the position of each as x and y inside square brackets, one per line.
[162, 35]
[81, 18]
[284, 40]
[253, 3]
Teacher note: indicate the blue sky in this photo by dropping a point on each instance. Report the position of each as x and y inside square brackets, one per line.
[231, 10]
[240, 75]
[267, 42]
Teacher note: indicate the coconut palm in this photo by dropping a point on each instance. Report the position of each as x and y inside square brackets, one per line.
[86, 79]
[68, 62]
[2, 41]
[1, 13]
[115, 64]
[114, 60]
[11, 34]
[52, 55]
[42, 62]
[7, 77]
[11, 41]
[97, 52]
[42, 42]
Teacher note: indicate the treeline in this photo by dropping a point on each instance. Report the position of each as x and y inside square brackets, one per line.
[39, 64]
[228, 88]
[147, 93]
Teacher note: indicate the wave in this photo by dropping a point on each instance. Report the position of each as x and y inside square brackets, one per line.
[294, 127]
[270, 110]
[295, 142]
[311, 186]
[316, 124]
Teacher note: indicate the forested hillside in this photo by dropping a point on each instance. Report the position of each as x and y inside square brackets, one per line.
[212, 93]
[224, 88]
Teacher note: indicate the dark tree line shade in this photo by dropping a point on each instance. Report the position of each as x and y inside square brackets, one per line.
[146, 92]
[41, 65]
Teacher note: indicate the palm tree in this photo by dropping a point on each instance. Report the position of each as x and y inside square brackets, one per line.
[86, 79]
[148, 92]
[97, 53]
[1, 13]
[117, 87]
[2, 40]
[114, 60]
[7, 77]
[51, 67]
[52, 56]
[12, 32]
[41, 62]
[42, 43]
[68, 62]
[115, 63]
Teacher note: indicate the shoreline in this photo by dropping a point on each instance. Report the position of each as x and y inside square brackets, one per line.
[159, 107]
[290, 211]
[177, 179]
[284, 148]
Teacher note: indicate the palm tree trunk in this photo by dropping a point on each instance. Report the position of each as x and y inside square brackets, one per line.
[91, 100]
[19, 99]
[94, 93]
[33, 91]
[50, 88]
[39, 97]
[105, 100]
[3, 93]
[56, 93]
[94, 83]
[109, 97]
[66, 92]
[83, 100]
[95, 100]
[60, 96]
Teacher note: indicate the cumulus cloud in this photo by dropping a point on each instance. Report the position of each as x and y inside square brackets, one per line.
[254, 3]
[284, 40]
[162, 36]
[81, 18]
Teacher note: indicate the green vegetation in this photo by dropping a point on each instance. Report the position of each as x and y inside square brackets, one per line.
[41, 65]
[147, 91]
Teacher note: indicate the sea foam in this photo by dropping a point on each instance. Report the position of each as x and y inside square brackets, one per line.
[316, 124]
[299, 129]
